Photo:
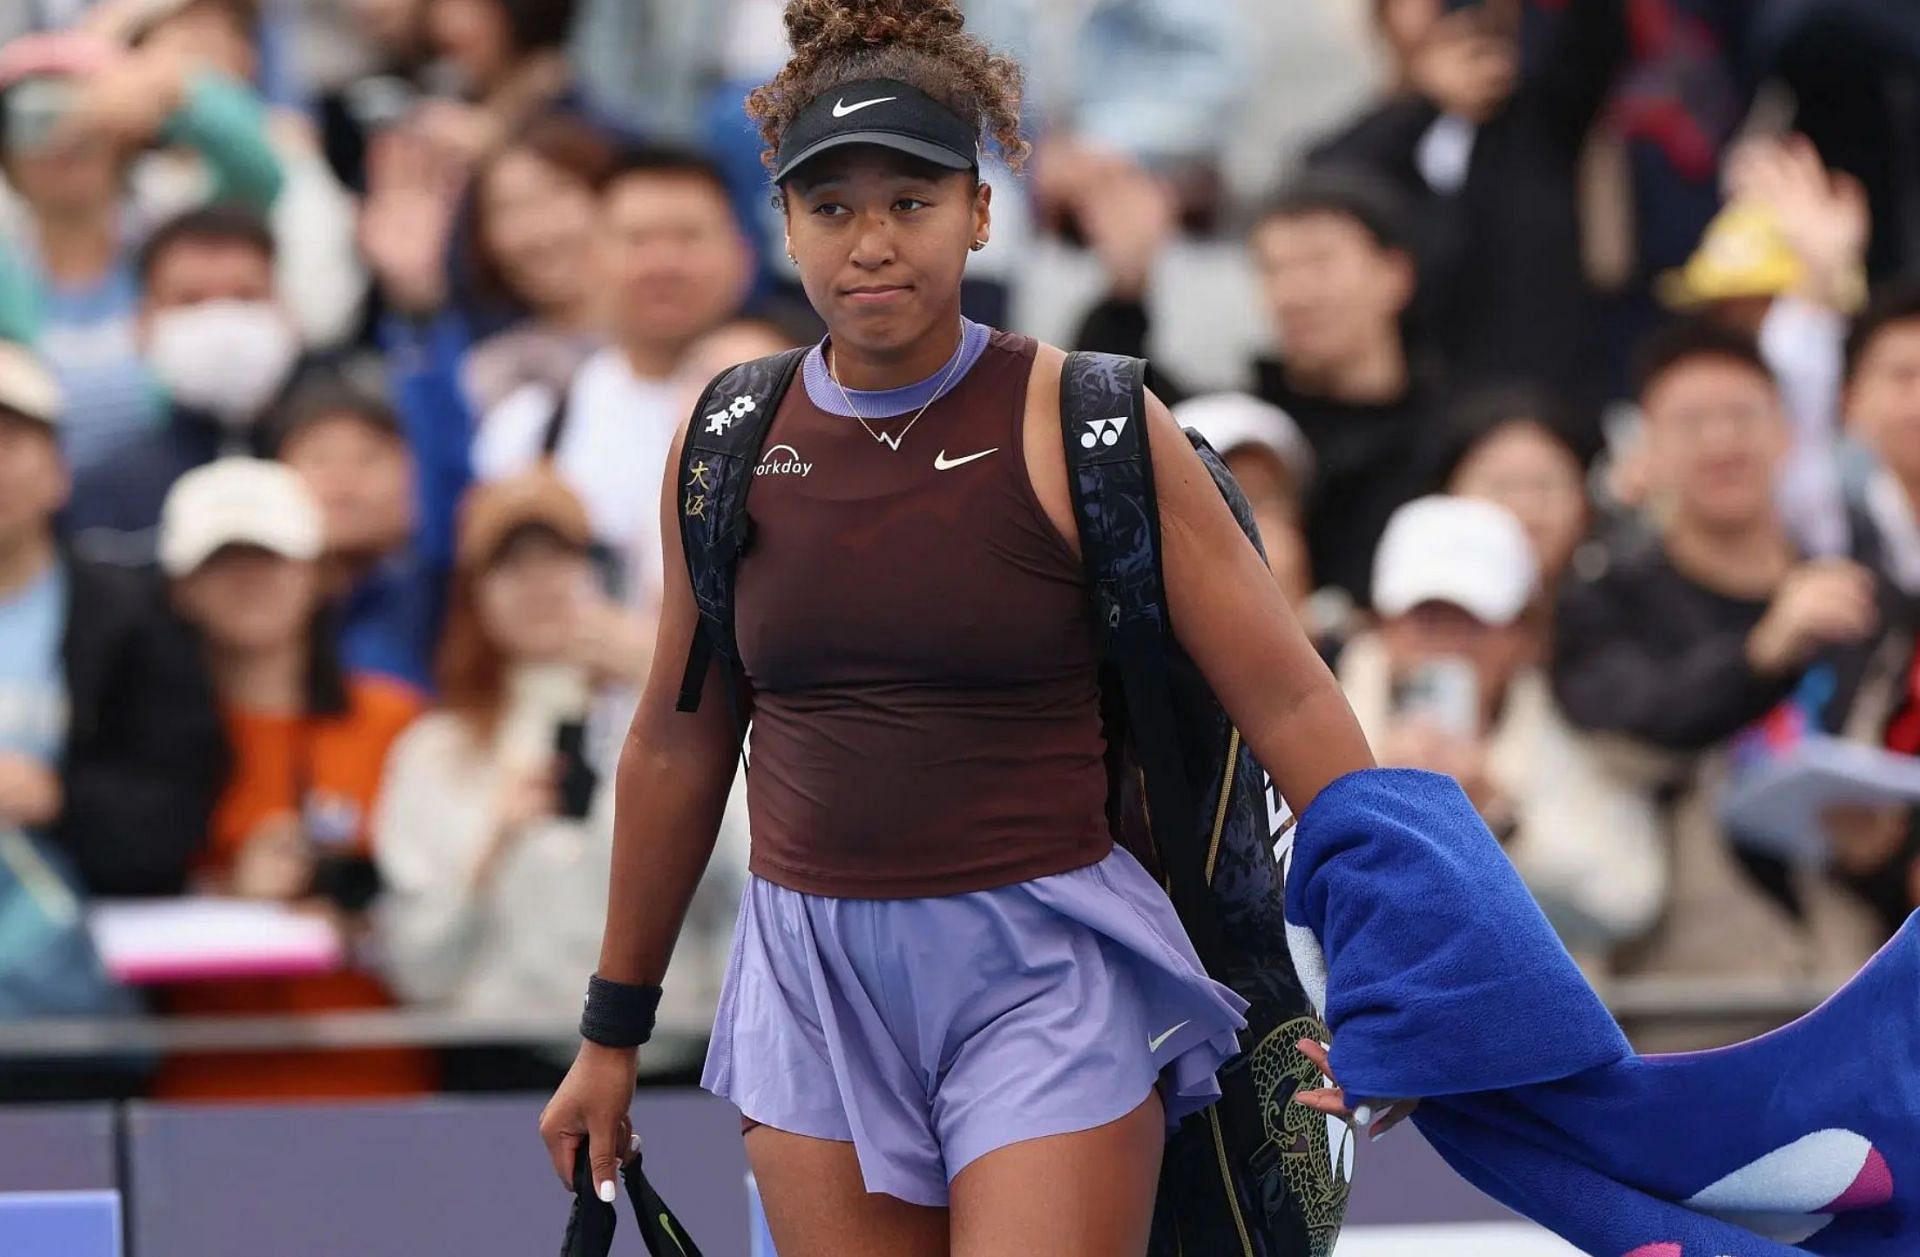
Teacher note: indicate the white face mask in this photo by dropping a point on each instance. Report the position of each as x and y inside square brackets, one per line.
[228, 358]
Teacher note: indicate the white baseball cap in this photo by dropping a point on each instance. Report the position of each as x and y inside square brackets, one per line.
[238, 502]
[1464, 551]
[26, 386]
[1233, 421]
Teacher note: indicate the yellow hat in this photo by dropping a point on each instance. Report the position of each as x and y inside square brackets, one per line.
[1743, 254]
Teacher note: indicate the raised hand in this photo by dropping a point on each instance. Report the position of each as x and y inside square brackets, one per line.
[413, 196]
[1823, 213]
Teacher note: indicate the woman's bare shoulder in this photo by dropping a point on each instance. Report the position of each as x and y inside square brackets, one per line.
[1045, 453]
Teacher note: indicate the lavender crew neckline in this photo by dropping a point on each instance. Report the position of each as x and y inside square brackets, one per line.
[887, 403]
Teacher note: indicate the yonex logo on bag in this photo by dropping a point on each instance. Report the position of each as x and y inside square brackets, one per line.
[782, 460]
[739, 408]
[1104, 431]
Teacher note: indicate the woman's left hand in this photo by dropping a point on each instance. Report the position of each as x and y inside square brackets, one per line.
[1376, 1119]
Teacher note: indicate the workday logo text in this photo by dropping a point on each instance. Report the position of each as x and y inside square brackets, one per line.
[782, 460]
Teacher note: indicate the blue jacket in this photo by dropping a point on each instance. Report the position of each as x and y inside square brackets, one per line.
[114, 514]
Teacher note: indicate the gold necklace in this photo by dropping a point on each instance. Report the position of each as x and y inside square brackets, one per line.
[893, 441]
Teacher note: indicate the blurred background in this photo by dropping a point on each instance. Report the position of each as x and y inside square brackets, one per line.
[1569, 351]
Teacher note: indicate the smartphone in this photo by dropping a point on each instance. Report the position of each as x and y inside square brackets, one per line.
[577, 779]
[35, 109]
[1443, 693]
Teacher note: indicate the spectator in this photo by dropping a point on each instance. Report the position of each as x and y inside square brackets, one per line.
[531, 251]
[1509, 446]
[674, 266]
[77, 110]
[377, 568]
[1680, 643]
[508, 59]
[220, 344]
[527, 262]
[1123, 89]
[320, 271]
[1339, 279]
[1882, 406]
[1446, 684]
[1488, 157]
[1786, 262]
[493, 845]
[109, 741]
[359, 102]
[1883, 411]
[240, 541]
[1264, 449]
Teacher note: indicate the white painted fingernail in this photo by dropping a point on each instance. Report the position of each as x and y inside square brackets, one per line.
[633, 1145]
[606, 1191]
[1374, 1136]
[1363, 1116]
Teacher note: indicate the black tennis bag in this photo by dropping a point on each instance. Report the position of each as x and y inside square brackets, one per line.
[591, 1225]
[1253, 1175]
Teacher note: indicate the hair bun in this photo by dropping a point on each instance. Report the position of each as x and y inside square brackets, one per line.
[921, 42]
[826, 28]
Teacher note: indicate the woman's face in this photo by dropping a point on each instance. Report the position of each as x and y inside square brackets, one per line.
[475, 36]
[882, 245]
[246, 600]
[1523, 468]
[529, 596]
[363, 476]
[537, 223]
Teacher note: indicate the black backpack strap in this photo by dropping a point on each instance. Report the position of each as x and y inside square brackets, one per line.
[555, 430]
[724, 439]
[1103, 422]
[591, 1225]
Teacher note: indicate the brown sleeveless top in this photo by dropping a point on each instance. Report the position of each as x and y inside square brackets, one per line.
[916, 635]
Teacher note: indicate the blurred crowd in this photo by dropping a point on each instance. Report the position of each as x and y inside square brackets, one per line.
[342, 346]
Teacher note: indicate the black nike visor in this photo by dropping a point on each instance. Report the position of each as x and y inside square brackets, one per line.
[882, 112]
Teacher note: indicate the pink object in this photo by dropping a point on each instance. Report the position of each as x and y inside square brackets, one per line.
[196, 939]
[64, 54]
[1656, 1250]
[1871, 1188]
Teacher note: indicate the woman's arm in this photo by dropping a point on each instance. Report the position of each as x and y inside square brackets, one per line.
[1227, 609]
[669, 793]
[671, 786]
[19, 302]
[223, 121]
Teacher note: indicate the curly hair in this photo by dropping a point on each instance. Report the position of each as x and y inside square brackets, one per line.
[923, 43]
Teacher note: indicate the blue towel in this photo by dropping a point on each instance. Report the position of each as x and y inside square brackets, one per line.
[1444, 982]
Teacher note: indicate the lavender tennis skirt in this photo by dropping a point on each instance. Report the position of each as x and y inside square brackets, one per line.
[929, 1032]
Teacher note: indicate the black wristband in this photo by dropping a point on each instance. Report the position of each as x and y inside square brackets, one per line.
[618, 1014]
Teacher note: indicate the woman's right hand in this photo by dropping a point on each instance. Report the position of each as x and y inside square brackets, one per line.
[412, 202]
[591, 1104]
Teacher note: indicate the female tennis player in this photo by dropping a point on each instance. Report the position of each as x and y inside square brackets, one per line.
[958, 1019]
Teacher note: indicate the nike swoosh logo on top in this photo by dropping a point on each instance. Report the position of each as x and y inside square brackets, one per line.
[1153, 1044]
[943, 463]
[666, 1223]
[841, 108]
